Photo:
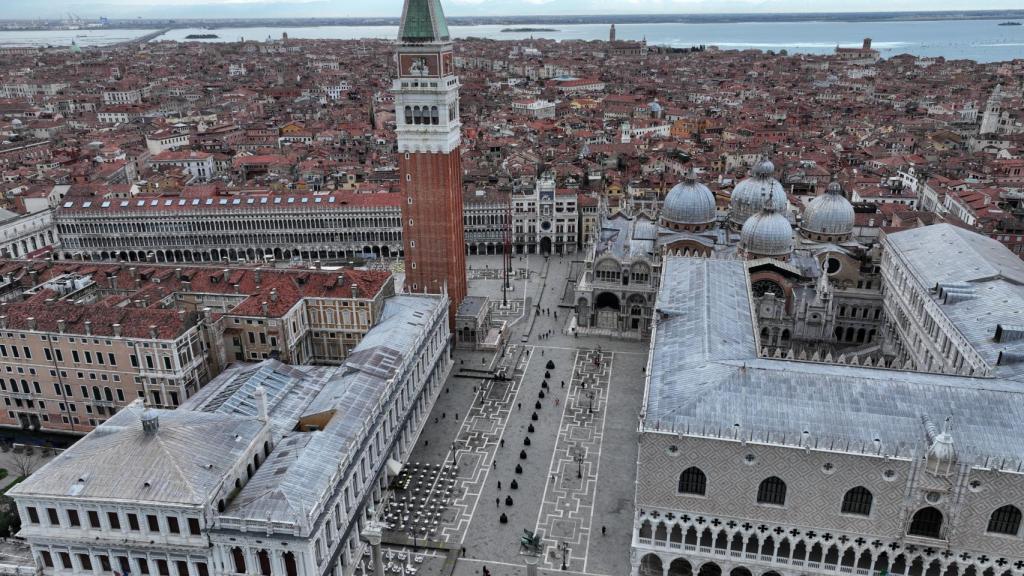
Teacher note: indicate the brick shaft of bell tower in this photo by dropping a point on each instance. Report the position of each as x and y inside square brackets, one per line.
[429, 134]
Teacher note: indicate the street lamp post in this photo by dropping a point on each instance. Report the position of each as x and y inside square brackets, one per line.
[590, 397]
[579, 455]
[563, 547]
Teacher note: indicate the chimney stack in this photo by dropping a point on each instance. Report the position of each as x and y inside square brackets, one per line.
[317, 262]
[88, 327]
[258, 276]
[226, 273]
[117, 330]
[261, 403]
[273, 294]
[3, 321]
[150, 422]
[31, 320]
[355, 290]
[152, 331]
[133, 271]
[181, 315]
[62, 325]
[265, 308]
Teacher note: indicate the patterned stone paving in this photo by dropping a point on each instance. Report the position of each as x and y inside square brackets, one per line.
[477, 442]
[514, 310]
[493, 273]
[567, 509]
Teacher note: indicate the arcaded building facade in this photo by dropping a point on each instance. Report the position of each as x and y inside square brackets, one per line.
[252, 227]
[753, 466]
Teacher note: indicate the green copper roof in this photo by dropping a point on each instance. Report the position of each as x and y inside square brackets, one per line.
[423, 21]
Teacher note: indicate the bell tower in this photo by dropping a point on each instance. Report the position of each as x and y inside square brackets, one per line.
[429, 135]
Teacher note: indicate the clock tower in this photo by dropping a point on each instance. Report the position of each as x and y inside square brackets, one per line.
[429, 134]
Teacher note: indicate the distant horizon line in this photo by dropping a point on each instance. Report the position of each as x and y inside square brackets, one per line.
[603, 18]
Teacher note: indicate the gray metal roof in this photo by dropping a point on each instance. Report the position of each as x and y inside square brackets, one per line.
[626, 237]
[991, 276]
[705, 377]
[183, 463]
[288, 390]
[302, 467]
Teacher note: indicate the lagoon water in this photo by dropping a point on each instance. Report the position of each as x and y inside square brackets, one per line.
[980, 40]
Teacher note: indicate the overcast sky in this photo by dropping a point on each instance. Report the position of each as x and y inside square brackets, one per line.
[341, 8]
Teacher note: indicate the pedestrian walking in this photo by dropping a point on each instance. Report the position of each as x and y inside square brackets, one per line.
[603, 530]
[502, 442]
[497, 502]
[563, 383]
[494, 463]
[519, 408]
[499, 484]
[557, 400]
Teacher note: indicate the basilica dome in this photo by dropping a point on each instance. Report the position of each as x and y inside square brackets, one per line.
[747, 196]
[767, 233]
[689, 203]
[829, 216]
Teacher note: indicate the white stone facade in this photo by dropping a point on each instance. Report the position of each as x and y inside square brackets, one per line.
[178, 230]
[726, 530]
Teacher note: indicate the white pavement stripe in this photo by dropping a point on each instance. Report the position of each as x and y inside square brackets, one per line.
[597, 467]
[489, 449]
[552, 468]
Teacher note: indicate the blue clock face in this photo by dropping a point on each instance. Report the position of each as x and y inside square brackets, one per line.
[545, 225]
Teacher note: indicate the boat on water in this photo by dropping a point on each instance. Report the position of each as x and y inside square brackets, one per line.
[1009, 23]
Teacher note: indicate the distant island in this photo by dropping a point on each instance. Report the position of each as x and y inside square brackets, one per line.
[201, 37]
[1009, 23]
[529, 30]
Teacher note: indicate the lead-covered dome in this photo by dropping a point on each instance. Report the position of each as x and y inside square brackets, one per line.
[767, 233]
[689, 203]
[747, 196]
[828, 217]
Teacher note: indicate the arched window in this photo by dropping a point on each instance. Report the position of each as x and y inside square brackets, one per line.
[857, 501]
[772, 491]
[693, 481]
[434, 118]
[239, 560]
[1005, 520]
[290, 566]
[416, 115]
[926, 522]
[408, 114]
[264, 559]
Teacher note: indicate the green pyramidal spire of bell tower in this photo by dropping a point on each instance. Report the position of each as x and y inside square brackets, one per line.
[423, 21]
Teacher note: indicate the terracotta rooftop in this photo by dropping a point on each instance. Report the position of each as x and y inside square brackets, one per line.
[134, 295]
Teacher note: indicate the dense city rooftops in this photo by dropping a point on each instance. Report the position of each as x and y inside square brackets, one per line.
[104, 299]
